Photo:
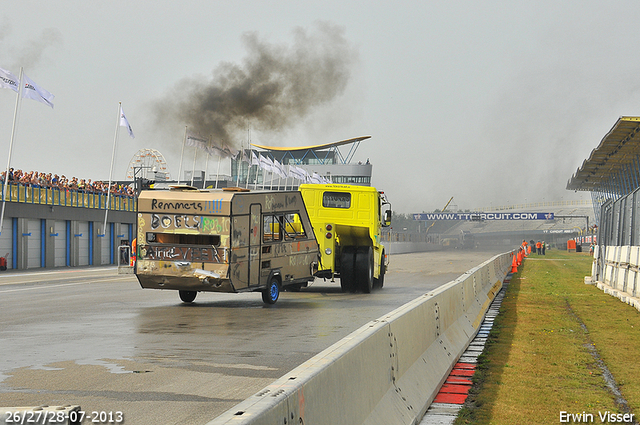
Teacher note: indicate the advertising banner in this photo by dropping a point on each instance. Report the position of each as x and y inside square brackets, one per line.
[478, 216]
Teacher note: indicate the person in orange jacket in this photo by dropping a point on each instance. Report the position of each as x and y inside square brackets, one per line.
[132, 255]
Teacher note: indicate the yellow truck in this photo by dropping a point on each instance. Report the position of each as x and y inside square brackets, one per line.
[347, 223]
[193, 240]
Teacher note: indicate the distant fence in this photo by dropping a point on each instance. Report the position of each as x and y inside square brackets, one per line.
[575, 203]
[66, 198]
[391, 236]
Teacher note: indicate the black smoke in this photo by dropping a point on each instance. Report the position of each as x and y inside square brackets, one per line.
[274, 87]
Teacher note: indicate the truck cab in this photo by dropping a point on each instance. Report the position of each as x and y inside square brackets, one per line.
[347, 222]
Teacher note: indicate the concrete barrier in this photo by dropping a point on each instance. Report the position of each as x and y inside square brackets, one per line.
[621, 274]
[388, 371]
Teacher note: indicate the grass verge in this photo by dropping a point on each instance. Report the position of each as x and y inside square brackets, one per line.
[538, 363]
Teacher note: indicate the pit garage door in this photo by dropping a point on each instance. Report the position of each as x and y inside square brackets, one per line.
[60, 243]
[83, 243]
[34, 229]
[105, 244]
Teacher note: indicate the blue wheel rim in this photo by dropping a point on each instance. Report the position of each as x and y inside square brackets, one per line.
[274, 291]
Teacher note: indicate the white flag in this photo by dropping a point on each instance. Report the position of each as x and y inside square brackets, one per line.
[254, 159]
[124, 122]
[279, 168]
[296, 172]
[32, 91]
[304, 175]
[196, 141]
[266, 163]
[8, 80]
[293, 172]
[230, 152]
[315, 178]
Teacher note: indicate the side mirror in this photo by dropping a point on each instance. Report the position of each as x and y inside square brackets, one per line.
[387, 218]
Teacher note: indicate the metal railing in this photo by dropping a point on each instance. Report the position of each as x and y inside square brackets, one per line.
[555, 204]
[66, 198]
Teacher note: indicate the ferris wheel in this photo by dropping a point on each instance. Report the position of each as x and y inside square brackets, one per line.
[148, 164]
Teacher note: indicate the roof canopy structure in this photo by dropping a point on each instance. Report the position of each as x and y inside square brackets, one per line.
[613, 168]
[312, 150]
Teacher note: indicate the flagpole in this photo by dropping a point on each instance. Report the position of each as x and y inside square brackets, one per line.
[258, 168]
[206, 168]
[238, 164]
[13, 134]
[218, 171]
[182, 153]
[193, 168]
[246, 186]
[113, 156]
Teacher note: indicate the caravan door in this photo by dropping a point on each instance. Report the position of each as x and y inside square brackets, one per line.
[255, 238]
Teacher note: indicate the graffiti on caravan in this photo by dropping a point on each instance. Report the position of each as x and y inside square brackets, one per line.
[210, 207]
[175, 221]
[476, 216]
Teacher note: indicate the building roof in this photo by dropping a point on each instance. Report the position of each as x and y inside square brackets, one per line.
[322, 146]
[613, 161]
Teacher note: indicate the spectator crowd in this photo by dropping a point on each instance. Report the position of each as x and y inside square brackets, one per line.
[36, 179]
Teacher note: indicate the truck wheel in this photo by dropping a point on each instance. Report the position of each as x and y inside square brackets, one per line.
[271, 293]
[187, 296]
[347, 269]
[379, 282]
[364, 269]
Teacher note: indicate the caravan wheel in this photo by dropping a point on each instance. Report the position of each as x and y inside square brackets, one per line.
[187, 296]
[271, 293]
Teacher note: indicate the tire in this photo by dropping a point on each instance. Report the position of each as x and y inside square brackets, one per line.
[271, 293]
[347, 269]
[364, 269]
[379, 282]
[187, 296]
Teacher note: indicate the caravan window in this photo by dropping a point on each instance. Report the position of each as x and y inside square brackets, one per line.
[293, 228]
[271, 229]
[282, 227]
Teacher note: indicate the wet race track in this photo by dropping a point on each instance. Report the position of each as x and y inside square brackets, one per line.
[93, 338]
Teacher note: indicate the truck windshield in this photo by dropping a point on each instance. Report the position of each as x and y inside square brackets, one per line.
[336, 200]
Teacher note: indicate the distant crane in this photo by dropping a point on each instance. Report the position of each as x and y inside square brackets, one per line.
[445, 207]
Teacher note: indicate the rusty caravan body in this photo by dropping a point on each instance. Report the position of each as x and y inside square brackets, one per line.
[224, 241]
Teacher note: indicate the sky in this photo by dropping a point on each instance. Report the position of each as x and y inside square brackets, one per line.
[491, 103]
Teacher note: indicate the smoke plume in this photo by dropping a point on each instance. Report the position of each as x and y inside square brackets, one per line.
[275, 86]
[33, 51]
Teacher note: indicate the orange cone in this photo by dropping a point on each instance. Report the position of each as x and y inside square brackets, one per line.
[514, 265]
